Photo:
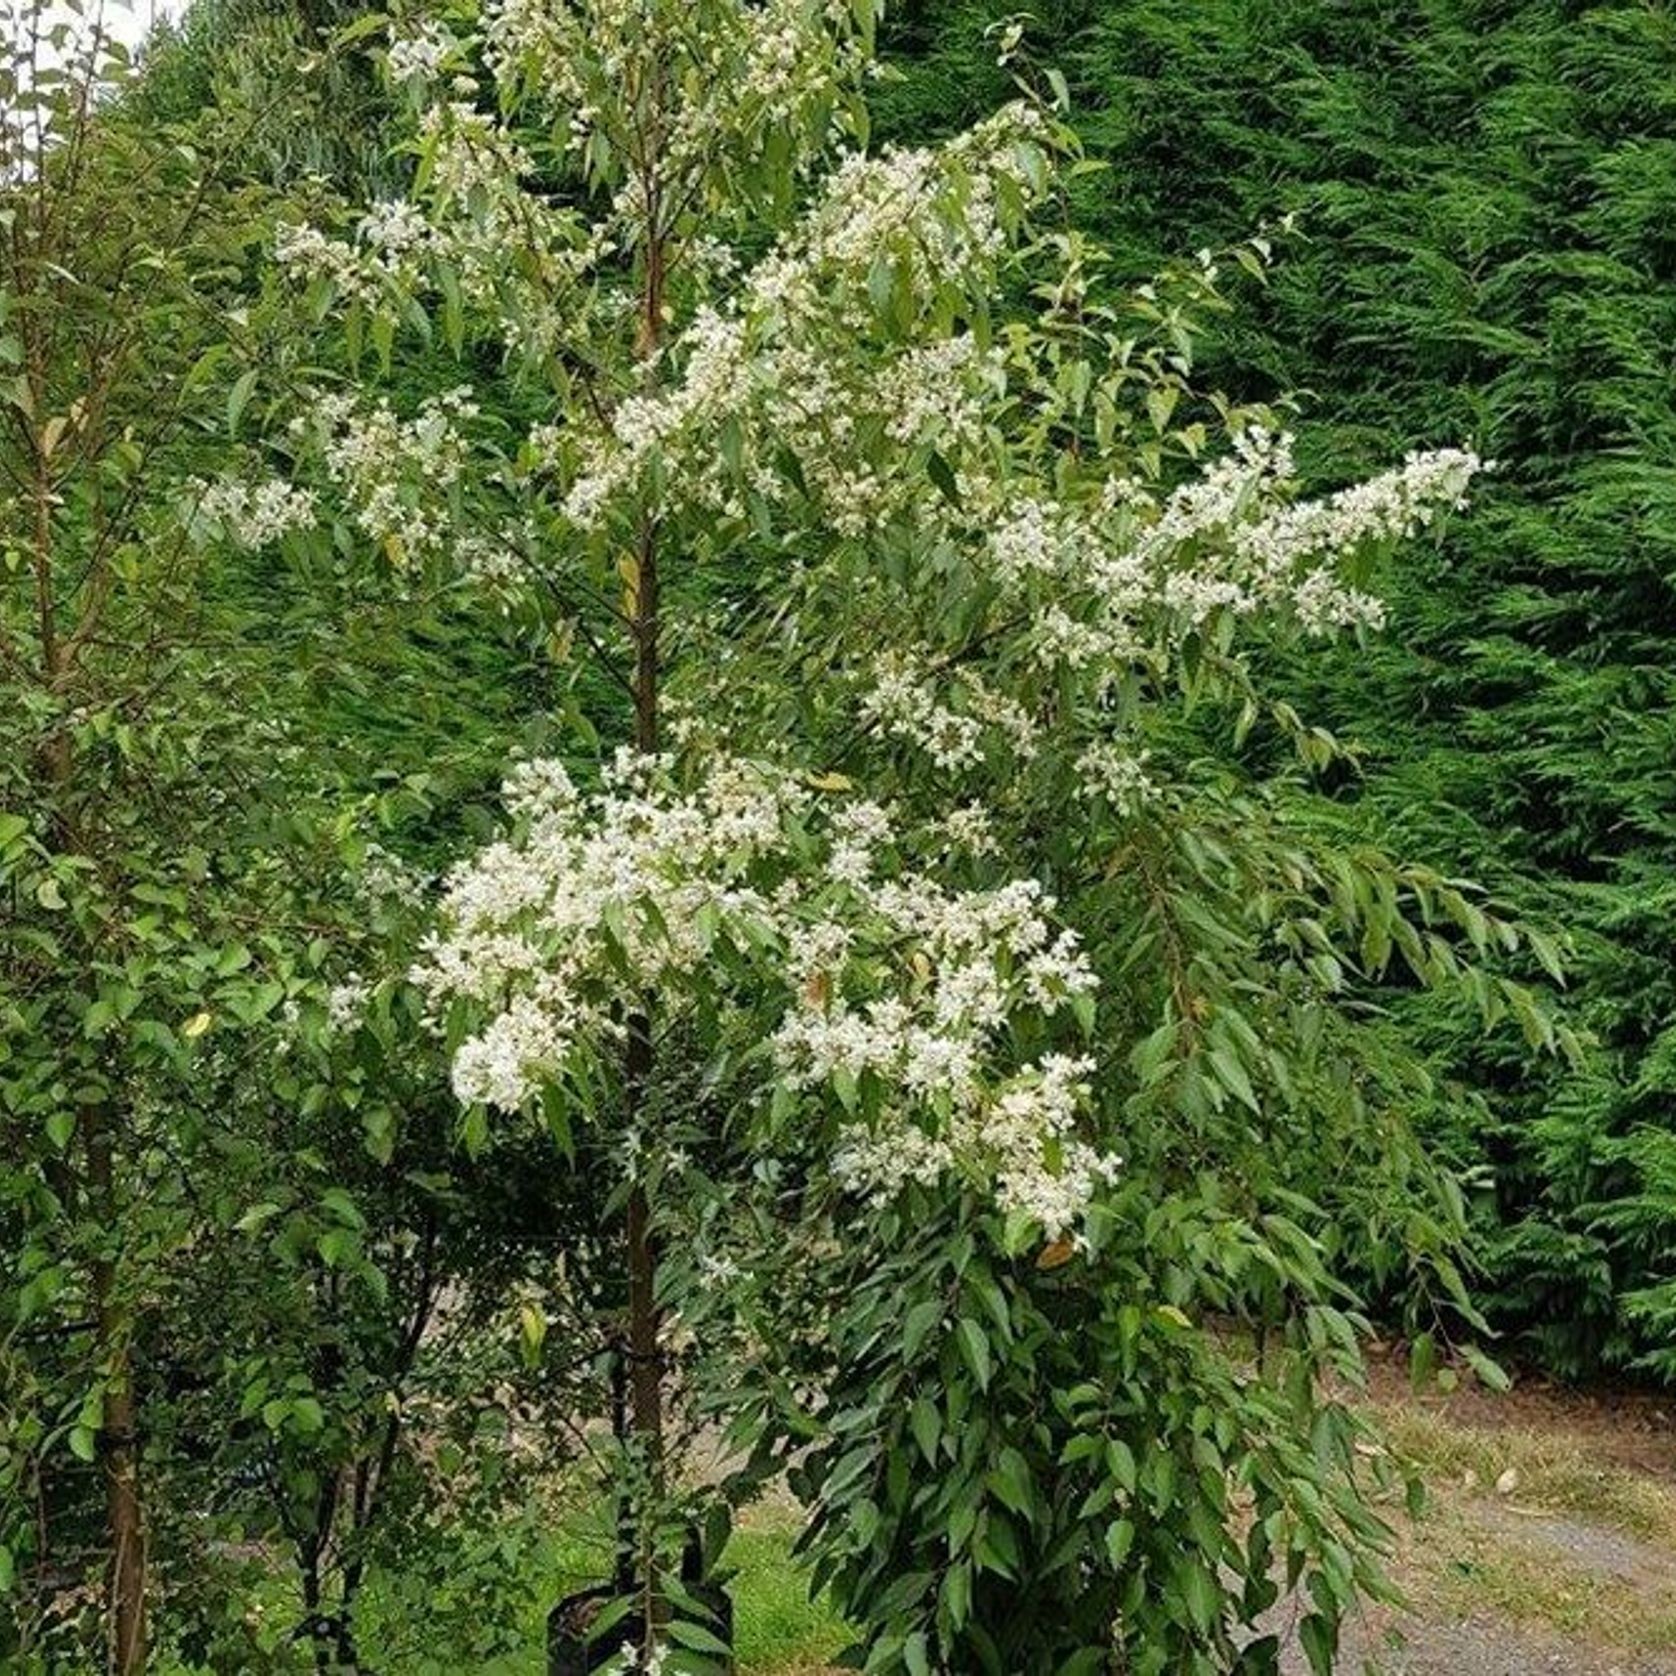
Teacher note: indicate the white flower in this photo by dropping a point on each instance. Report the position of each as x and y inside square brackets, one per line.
[1120, 778]
[968, 828]
[419, 54]
[347, 1001]
[254, 515]
[554, 937]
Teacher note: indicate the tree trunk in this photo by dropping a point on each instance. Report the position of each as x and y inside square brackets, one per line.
[645, 1364]
[118, 1443]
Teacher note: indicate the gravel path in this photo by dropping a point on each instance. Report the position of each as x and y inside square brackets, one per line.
[1482, 1648]
[1480, 1644]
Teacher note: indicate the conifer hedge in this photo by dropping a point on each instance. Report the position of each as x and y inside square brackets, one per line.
[1486, 193]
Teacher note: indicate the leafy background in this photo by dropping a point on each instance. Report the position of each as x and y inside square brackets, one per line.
[1484, 197]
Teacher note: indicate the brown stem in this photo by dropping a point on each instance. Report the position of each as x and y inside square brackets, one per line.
[118, 1443]
[644, 1355]
[645, 1365]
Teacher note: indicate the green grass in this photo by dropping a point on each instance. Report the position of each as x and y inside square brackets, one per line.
[1472, 1570]
[408, 1627]
[1474, 1554]
[778, 1629]
[1552, 1470]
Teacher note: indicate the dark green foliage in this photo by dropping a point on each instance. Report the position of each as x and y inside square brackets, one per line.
[1486, 195]
[307, 111]
[1024, 1462]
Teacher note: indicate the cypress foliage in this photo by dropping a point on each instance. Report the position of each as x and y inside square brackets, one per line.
[1487, 200]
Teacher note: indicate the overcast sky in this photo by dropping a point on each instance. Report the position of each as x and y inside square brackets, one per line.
[128, 22]
[133, 20]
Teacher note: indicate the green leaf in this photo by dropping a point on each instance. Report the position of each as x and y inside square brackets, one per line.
[927, 1427]
[1422, 1361]
[974, 1349]
[237, 399]
[918, 1322]
[943, 477]
[1010, 1479]
[1199, 1591]
[701, 1640]
[1491, 1374]
[1320, 1643]
[1120, 1463]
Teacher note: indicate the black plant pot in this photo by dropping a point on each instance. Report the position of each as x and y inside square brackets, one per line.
[571, 1650]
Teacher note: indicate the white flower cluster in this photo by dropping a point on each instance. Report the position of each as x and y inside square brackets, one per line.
[562, 930]
[347, 1001]
[905, 700]
[1008, 1132]
[386, 877]
[628, 1659]
[969, 828]
[644, 425]
[973, 961]
[884, 986]
[775, 369]
[732, 76]
[387, 255]
[253, 515]
[419, 54]
[480, 230]
[1300, 544]
[395, 475]
[1116, 579]
[935, 210]
[1108, 771]
[1232, 539]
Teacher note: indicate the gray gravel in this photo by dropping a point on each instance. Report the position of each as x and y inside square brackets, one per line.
[1480, 1649]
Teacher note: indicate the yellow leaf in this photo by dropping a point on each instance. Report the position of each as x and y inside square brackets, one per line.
[533, 1325]
[628, 567]
[830, 782]
[1172, 1314]
[195, 1026]
[1057, 1255]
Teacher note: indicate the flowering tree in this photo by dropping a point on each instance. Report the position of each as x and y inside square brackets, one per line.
[103, 247]
[211, 1306]
[928, 585]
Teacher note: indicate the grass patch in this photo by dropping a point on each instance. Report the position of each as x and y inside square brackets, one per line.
[1480, 1552]
[408, 1627]
[1471, 1570]
[778, 1630]
[1553, 1471]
